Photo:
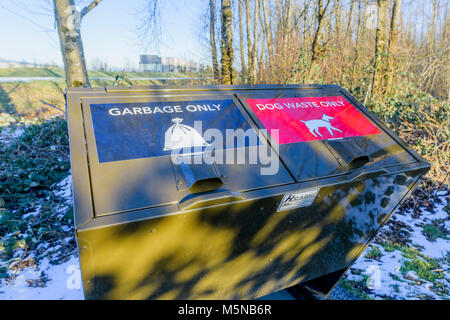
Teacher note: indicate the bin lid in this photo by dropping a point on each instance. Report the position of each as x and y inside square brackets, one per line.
[322, 132]
[131, 139]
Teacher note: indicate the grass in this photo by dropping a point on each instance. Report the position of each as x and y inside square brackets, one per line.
[356, 288]
[32, 72]
[390, 246]
[374, 253]
[52, 71]
[409, 252]
[433, 232]
[21, 100]
[24, 98]
[423, 267]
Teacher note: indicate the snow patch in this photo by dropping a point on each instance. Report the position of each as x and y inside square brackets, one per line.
[7, 134]
[385, 279]
[64, 282]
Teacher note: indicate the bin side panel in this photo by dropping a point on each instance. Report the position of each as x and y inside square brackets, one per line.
[240, 250]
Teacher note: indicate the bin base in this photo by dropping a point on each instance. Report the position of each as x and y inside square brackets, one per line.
[318, 288]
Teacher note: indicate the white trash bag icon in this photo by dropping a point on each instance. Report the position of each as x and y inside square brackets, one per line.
[182, 136]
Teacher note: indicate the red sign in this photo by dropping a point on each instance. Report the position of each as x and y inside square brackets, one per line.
[313, 118]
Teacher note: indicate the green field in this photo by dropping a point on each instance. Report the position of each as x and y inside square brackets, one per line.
[59, 72]
[22, 100]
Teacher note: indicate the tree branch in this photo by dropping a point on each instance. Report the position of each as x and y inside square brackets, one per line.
[88, 8]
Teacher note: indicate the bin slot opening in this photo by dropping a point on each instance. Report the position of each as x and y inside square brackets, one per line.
[359, 162]
[192, 174]
[205, 185]
[348, 153]
[206, 199]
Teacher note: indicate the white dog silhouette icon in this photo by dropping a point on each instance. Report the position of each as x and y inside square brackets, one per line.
[315, 124]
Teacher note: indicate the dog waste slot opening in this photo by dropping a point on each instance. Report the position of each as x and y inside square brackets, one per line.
[348, 153]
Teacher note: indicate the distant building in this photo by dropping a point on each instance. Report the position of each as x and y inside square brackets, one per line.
[150, 63]
[155, 63]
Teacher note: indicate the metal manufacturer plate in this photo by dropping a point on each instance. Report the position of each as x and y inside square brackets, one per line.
[298, 200]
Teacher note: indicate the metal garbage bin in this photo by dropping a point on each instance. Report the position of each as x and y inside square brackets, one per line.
[155, 220]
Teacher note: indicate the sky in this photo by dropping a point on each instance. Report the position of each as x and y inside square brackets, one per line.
[109, 32]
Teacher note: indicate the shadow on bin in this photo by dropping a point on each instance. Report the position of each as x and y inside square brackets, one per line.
[233, 250]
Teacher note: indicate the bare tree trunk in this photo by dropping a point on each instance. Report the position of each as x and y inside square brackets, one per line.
[422, 33]
[445, 39]
[305, 29]
[268, 34]
[349, 23]
[286, 34]
[212, 36]
[358, 36]
[288, 16]
[261, 53]
[380, 46]
[320, 15]
[251, 57]
[393, 38]
[255, 42]
[395, 21]
[338, 19]
[241, 39]
[446, 26]
[227, 43]
[261, 64]
[432, 33]
[68, 21]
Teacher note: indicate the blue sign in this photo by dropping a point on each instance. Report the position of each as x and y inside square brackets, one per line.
[125, 131]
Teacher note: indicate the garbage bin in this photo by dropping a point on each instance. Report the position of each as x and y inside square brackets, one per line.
[228, 192]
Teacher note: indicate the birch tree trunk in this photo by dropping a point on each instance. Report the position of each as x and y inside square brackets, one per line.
[227, 43]
[212, 36]
[68, 22]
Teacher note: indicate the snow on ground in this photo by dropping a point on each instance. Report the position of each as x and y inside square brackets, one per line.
[7, 134]
[393, 273]
[438, 248]
[383, 276]
[47, 282]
